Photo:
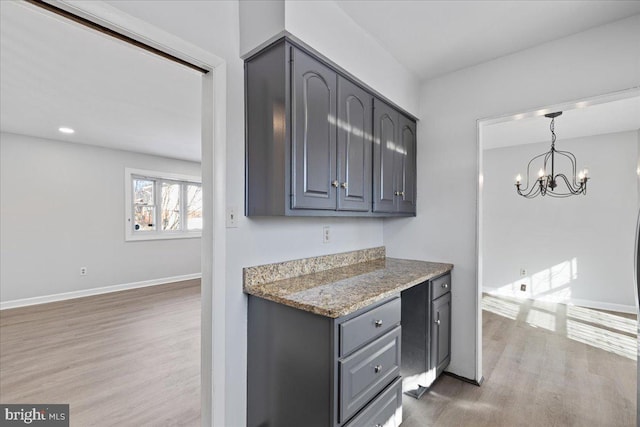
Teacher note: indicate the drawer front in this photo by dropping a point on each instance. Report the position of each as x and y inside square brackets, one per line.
[360, 330]
[367, 372]
[384, 411]
[440, 286]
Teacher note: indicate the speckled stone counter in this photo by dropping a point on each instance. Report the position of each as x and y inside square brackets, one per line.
[333, 291]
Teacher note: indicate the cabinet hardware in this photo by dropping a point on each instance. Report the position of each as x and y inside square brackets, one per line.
[438, 322]
[445, 285]
[335, 183]
[377, 368]
[378, 323]
[344, 185]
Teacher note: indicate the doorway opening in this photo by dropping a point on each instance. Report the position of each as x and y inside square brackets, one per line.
[213, 154]
[562, 269]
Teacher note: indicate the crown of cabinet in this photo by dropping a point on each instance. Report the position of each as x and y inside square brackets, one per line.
[319, 144]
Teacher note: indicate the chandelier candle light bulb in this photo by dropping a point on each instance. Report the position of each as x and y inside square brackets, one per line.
[550, 182]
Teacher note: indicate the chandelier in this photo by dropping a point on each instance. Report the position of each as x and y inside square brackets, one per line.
[548, 182]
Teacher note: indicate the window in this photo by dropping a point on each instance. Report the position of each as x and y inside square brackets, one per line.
[162, 205]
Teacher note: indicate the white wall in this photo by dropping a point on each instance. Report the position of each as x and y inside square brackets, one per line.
[214, 26]
[597, 61]
[63, 208]
[328, 29]
[577, 249]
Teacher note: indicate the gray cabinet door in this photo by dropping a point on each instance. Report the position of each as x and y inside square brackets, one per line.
[385, 144]
[354, 147]
[441, 333]
[314, 133]
[406, 173]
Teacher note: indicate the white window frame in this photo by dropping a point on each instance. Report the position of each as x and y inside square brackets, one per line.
[130, 234]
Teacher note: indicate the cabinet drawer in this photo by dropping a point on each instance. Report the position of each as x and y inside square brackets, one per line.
[440, 286]
[360, 330]
[385, 410]
[367, 372]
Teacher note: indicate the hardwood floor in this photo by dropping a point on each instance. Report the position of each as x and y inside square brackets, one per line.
[129, 358]
[545, 364]
[132, 358]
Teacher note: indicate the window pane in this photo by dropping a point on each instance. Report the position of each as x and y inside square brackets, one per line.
[170, 206]
[142, 191]
[143, 218]
[194, 207]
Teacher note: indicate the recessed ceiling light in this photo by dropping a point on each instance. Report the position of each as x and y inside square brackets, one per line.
[66, 130]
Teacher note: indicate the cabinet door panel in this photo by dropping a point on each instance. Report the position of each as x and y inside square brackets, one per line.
[314, 133]
[385, 143]
[407, 166]
[441, 333]
[354, 147]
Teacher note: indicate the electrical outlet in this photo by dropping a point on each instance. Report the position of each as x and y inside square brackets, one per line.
[326, 234]
[523, 287]
[232, 217]
[523, 272]
[83, 271]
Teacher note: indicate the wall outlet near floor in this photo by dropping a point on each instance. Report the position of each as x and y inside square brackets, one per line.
[83, 271]
[326, 234]
[523, 272]
[523, 287]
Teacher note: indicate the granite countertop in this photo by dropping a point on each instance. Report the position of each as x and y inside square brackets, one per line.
[338, 291]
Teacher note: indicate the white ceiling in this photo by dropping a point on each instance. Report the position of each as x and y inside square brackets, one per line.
[610, 117]
[432, 38]
[55, 73]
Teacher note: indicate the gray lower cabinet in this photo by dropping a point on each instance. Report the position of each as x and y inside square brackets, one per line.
[309, 136]
[394, 161]
[426, 333]
[309, 370]
[441, 333]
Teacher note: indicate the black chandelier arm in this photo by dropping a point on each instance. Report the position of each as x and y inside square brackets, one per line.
[573, 161]
[526, 188]
[534, 191]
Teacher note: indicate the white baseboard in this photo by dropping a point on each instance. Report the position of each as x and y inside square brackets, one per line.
[95, 291]
[599, 305]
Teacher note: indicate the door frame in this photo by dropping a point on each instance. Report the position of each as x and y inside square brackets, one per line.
[480, 124]
[213, 165]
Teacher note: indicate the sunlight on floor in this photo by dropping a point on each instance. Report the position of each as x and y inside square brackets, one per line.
[542, 319]
[623, 324]
[500, 307]
[613, 342]
[603, 330]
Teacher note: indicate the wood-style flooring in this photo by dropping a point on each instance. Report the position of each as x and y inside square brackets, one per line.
[129, 358]
[132, 358]
[544, 364]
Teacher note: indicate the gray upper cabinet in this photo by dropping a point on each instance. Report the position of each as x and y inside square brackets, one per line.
[407, 174]
[314, 133]
[394, 161]
[354, 147]
[309, 131]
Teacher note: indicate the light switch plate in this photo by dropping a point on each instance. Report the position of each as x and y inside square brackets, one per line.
[232, 217]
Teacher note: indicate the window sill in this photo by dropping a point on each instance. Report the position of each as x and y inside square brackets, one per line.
[168, 236]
